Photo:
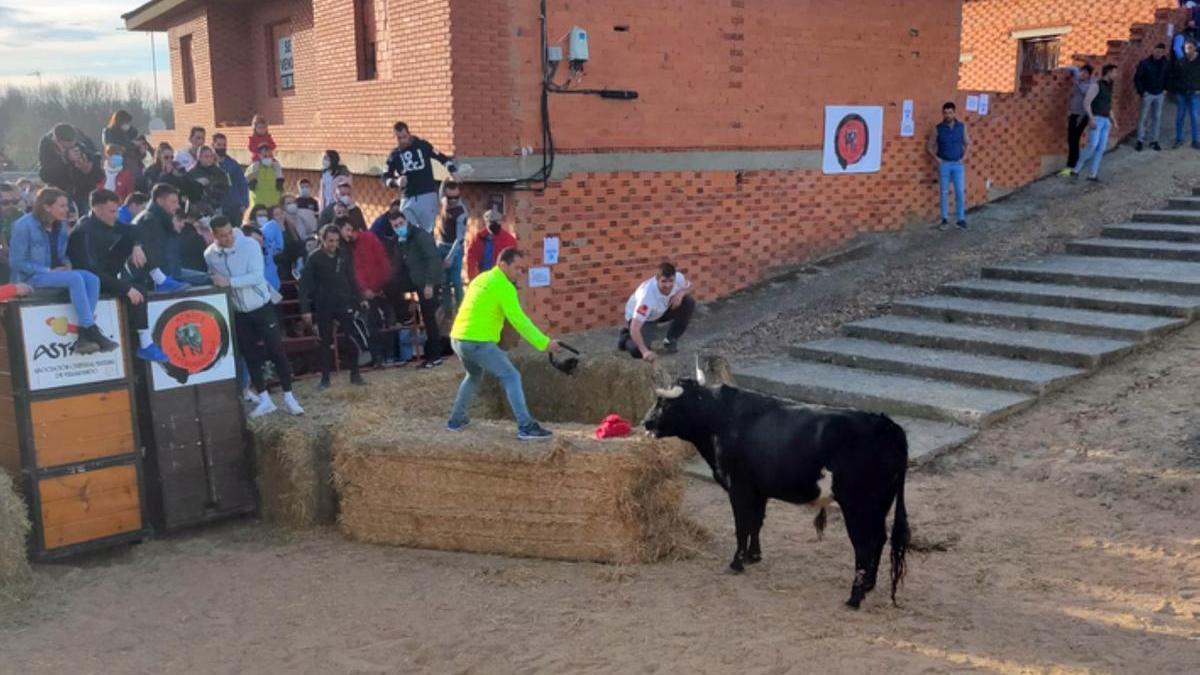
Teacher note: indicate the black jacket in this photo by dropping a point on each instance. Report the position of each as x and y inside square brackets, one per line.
[355, 215]
[415, 261]
[1186, 75]
[102, 250]
[56, 171]
[416, 163]
[1152, 76]
[188, 189]
[327, 283]
[156, 231]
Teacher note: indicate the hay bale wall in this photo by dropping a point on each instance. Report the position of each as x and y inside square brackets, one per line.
[295, 483]
[602, 385]
[14, 531]
[482, 491]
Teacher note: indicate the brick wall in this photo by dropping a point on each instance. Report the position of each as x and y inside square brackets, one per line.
[987, 26]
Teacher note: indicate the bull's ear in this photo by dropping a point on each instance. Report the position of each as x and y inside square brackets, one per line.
[720, 371]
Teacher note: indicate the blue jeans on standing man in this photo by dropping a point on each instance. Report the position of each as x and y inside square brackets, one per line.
[83, 287]
[1187, 106]
[1097, 144]
[487, 357]
[454, 284]
[952, 172]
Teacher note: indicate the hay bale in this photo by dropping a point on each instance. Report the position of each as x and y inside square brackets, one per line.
[601, 385]
[483, 491]
[14, 530]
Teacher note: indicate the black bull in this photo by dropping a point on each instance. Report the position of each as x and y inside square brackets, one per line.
[760, 448]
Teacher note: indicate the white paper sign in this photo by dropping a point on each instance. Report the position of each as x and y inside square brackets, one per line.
[907, 126]
[50, 333]
[287, 64]
[196, 335]
[984, 104]
[853, 139]
[1170, 30]
[972, 103]
[539, 277]
[550, 251]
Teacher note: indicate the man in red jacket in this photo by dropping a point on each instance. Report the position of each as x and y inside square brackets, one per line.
[372, 271]
[484, 246]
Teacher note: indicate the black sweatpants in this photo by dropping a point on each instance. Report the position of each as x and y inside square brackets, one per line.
[260, 337]
[678, 317]
[325, 318]
[433, 335]
[1076, 125]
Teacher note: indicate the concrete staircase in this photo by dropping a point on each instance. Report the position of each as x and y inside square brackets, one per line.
[949, 364]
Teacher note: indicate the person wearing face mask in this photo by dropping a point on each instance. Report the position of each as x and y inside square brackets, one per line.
[345, 197]
[487, 244]
[417, 268]
[265, 178]
[117, 178]
[211, 181]
[304, 196]
[237, 197]
[302, 211]
[331, 169]
[120, 132]
[165, 170]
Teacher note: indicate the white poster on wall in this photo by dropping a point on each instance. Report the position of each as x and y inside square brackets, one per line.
[287, 64]
[984, 104]
[908, 126]
[539, 277]
[972, 103]
[50, 358]
[550, 250]
[196, 335]
[853, 139]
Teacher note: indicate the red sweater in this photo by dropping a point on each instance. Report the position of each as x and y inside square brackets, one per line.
[477, 244]
[372, 269]
[257, 140]
[125, 184]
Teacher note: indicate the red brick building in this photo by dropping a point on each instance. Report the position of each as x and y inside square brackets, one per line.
[1005, 39]
[716, 165]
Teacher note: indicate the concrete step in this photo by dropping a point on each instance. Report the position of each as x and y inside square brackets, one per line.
[952, 366]
[1136, 327]
[1180, 217]
[1184, 204]
[1077, 297]
[880, 392]
[1152, 231]
[1075, 351]
[1136, 248]
[1124, 273]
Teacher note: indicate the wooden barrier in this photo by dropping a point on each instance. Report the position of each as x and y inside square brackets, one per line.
[68, 428]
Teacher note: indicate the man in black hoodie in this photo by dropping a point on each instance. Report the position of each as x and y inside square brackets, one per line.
[1151, 84]
[159, 237]
[417, 268]
[69, 161]
[410, 168]
[328, 286]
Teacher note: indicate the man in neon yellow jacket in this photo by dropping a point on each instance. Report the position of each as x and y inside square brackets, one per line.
[491, 300]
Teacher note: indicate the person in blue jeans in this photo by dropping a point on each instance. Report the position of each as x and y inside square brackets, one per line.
[38, 255]
[948, 144]
[1098, 104]
[450, 233]
[1185, 82]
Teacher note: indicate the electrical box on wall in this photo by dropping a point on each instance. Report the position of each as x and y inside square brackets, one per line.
[577, 45]
[553, 54]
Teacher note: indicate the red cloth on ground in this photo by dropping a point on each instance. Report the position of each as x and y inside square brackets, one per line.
[613, 427]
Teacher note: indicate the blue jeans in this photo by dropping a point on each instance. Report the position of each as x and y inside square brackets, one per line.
[1097, 144]
[949, 172]
[487, 357]
[83, 287]
[454, 284]
[1187, 106]
[194, 277]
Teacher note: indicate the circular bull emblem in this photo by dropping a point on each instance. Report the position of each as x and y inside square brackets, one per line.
[194, 336]
[852, 140]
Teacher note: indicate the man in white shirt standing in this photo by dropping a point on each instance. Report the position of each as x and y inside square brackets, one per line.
[663, 298]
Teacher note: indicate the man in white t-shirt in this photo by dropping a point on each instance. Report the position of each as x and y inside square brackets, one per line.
[665, 297]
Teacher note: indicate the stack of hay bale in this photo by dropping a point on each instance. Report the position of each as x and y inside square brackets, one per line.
[14, 529]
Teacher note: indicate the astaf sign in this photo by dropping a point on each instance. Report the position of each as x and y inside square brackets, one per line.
[50, 331]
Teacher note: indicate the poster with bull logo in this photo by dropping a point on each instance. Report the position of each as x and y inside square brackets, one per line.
[853, 139]
[50, 358]
[195, 334]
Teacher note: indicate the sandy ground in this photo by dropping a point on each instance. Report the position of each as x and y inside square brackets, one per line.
[1066, 539]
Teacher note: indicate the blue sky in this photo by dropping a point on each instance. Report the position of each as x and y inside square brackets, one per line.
[67, 38]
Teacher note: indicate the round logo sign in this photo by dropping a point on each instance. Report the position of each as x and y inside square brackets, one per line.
[194, 336]
[852, 140]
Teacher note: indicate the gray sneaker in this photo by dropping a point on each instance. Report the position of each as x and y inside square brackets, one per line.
[533, 432]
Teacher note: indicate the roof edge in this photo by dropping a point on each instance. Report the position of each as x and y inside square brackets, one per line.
[147, 16]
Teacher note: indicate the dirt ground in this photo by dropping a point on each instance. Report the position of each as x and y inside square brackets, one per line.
[1065, 539]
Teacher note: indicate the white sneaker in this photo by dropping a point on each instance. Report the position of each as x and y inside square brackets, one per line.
[265, 407]
[249, 395]
[292, 405]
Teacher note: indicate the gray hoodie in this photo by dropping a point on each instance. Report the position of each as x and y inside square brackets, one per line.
[243, 266]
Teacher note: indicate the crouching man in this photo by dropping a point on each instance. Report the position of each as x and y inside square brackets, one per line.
[664, 298]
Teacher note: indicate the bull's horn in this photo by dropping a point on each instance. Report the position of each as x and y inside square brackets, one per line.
[699, 371]
[673, 392]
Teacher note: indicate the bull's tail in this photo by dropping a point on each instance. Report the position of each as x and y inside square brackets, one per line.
[896, 443]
